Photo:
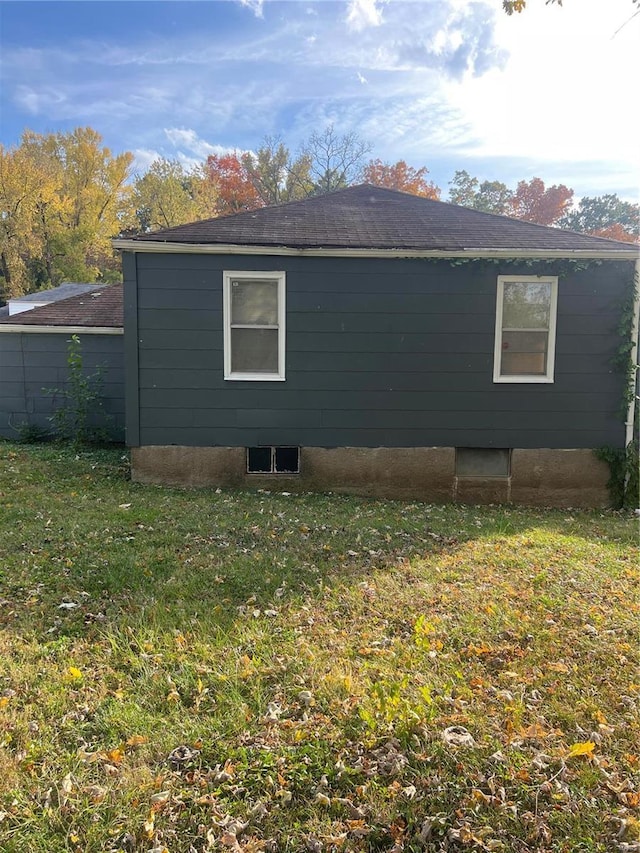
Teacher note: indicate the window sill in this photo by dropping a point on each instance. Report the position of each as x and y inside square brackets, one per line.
[254, 377]
[523, 380]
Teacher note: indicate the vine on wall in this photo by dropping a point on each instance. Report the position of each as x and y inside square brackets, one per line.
[624, 462]
[624, 482]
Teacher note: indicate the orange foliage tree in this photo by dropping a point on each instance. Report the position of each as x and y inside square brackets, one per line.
[400, 176]
[535, 203]
[234, 189]
[615, 231]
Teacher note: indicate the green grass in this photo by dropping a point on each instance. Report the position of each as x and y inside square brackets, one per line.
[305, 655]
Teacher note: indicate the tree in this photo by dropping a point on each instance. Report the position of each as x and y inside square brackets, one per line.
[605, 216]
[90, 205]
[275, 176]
[511, 6]
[63, 197]
[335, 161]
[488, 196]
[231, 181]
[400, 176]
[533, 202]
[165, 195]
[23, 186]
[463, 189]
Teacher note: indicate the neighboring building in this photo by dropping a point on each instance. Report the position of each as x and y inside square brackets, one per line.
[18, 304]
[375, 342]
[33, 358]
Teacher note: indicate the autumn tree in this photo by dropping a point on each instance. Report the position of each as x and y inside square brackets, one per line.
[23, 187]
[533, 202]
[276, 176]
[605, 216]
[232, 184]
[64, 197]
[92, 203]
[400, 176]
[517, 6]
[488, 196]
[335, 161]
[166, 195]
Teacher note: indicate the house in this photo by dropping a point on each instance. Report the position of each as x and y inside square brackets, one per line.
[18, 304]
[34, 348]
[378, 343]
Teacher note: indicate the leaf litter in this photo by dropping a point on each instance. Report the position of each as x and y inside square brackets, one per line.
[433, 678]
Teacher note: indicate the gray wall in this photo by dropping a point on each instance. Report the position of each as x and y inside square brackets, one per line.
[380, 352]
[32, 362]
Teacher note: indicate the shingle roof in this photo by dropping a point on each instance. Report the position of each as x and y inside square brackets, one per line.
[369, 217]
[102, 308]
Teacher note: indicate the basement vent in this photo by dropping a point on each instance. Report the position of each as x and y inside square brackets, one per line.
[273, 460]
[483, 462]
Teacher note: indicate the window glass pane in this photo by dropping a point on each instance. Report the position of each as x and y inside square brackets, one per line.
[254, 302]
[287, 460]
[258, 460]
[524, 353]
[526, 305]
[254, 350]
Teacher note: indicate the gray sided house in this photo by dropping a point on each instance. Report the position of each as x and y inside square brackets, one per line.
[33, 359]
[374, 342]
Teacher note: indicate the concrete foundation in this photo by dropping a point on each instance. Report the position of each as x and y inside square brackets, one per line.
[560, 478]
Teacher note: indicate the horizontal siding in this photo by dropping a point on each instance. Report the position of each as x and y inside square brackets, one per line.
[33, 366]
[451, 437]
[203, 378]
[379, 353]
[416, 422]
[382, 401]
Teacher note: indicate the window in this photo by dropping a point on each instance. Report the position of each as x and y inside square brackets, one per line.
[525, 328]
[273, 460]
[254, 333]
[483, 462]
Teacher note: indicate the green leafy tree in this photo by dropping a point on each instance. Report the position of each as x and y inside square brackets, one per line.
[275, 175]
[488, 196]
[165, 195]
[605, 216]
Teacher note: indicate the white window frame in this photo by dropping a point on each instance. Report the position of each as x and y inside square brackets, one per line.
[227, 277]
[551, 341]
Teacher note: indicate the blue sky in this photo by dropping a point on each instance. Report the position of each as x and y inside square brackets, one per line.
[449, 84]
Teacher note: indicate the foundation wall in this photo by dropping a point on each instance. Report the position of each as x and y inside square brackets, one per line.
[559, 478]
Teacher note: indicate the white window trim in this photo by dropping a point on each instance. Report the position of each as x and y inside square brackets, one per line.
[227, 277]
[551, 352]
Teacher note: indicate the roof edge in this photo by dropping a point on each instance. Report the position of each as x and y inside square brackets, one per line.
[41, 329]
[162, 246]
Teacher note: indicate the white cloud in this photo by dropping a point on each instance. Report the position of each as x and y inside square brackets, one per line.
[37, 101]
[188, 140]
[256, 7]
[362, 14]
[563, 108]
[143, 158]
[546, 92]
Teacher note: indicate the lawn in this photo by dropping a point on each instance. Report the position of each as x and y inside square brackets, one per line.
[218, 670]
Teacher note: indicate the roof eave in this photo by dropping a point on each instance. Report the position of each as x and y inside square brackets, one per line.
[161, 246]
[61, 329]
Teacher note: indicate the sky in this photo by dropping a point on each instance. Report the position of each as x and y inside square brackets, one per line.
[446, 84]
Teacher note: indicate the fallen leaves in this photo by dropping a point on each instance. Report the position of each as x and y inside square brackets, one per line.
[585, 748]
